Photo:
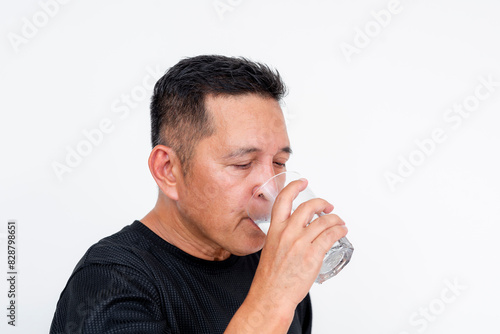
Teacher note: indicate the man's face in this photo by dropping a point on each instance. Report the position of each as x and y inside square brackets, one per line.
[249, 146]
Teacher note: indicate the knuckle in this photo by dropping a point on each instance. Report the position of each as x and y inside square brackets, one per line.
[326, 221]
[288, 237]
[335, 233]
[334, 219]
[339, 231]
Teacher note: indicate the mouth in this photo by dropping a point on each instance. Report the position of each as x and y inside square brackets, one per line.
[262, 228]
[252, 222]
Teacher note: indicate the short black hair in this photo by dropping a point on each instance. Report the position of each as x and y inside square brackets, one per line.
[178, 116]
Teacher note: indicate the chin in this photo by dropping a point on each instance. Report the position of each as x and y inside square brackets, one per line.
[250, 245]
[250, 238]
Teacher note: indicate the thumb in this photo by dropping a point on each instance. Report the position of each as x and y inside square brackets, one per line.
[284, 201]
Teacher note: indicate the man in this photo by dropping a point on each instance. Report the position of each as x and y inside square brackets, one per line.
[193, 264]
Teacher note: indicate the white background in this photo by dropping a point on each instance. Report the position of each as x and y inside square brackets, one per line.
[351, 121]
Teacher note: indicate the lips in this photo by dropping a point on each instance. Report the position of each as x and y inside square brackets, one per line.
[253, 223]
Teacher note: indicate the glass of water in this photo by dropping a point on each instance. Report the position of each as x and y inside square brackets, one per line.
[259, 210]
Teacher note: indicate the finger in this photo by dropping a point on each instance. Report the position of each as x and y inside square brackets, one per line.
[305, 212]
[283, 204]
[320, 225]
[327, 239]
[328, 210]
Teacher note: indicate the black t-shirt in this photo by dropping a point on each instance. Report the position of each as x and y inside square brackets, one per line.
[135, 282]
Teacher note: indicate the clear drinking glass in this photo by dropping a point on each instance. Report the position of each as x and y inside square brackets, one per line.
[259, 210]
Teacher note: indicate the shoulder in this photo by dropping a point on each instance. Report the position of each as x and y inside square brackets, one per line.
[120, 264]
[118, 248]
[113, 286]
[135, 248]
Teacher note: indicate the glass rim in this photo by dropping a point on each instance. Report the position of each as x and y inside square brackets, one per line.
[288, 172]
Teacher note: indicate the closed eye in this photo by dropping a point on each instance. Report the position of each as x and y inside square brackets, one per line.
[245, 166]
[248, 165]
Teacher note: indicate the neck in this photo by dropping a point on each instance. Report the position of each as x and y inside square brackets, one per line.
[166, 221]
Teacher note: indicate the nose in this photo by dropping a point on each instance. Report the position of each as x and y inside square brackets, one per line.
[264, 174]
[269, 186]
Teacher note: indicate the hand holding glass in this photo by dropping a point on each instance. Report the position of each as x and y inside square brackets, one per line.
[259, 210]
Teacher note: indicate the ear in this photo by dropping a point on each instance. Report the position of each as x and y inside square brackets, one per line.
[166, 170]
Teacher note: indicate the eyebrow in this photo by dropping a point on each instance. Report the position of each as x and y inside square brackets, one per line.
[240, 152]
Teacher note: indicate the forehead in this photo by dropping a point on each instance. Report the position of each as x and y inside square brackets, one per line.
[247, 120]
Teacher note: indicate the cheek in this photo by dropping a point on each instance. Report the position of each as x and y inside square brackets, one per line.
[210, 192]
[239, 199]
[206, 198]
[217, 197]
[226, 200]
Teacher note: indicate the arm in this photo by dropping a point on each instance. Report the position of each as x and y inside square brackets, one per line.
[289, 264]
